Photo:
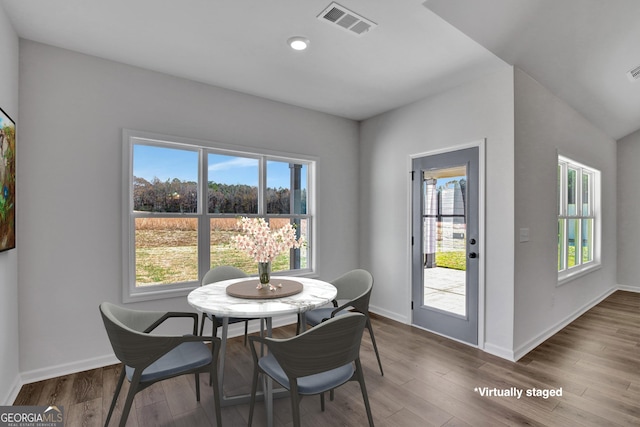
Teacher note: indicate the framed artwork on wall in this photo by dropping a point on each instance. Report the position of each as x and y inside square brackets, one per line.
[7, 182]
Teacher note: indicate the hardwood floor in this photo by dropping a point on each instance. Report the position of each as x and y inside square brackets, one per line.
[428, 381]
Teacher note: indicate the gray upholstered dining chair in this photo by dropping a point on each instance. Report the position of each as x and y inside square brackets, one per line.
[218, 274]
[354, 291]
[318, 360]
[149, 358]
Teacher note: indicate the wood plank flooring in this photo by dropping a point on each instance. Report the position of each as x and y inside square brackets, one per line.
[428, 381]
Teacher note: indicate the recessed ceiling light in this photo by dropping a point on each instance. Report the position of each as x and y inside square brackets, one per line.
[298, 43]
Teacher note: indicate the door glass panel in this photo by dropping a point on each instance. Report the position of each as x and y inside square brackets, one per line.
[444, 239]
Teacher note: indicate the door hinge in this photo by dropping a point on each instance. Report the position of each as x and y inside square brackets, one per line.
[411, 305]
[411, 240]
[412, 174]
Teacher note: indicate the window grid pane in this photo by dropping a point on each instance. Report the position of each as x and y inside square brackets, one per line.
[165, 179]
[586, 194]
[587, 240]
[573, 232]
[223, 252]
[561, 245]
[576, 217]
[286, 191]
[560, 192]
[232, 186]
[166, 250]
[168, 233]
[572, 191]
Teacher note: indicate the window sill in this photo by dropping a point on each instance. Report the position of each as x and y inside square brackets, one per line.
[177, 291]
[568, 277]
[158, 292]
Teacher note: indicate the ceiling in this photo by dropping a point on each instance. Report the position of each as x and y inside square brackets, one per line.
[579, 49]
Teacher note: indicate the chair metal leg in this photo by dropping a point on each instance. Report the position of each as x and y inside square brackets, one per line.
[216, 389]
[363, 388]
[133, 389]
[197, 375]
[254, 388]
[375, 346]
[115, 396]
[295, 405]
[204, 316]
[214, 332]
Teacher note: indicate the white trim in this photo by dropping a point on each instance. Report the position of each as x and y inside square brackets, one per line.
[13, 392]
[577, 272]
[481, 144]
[68, 368]
[565, 163]
[449, 149]
[131, 137]
[482, 180]
[628, 288]
[390, 315]
[545, 335]
[501, 352]
[444, 336]
[238, 330]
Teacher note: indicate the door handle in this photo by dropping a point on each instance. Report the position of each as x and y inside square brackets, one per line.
[473, 255]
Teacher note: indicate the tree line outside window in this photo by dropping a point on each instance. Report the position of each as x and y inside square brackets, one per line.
[176, 196]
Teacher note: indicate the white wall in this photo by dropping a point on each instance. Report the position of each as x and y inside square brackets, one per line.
[9, 338]
[73, 108]
[472, 112]
[543, 125]
[628, 212]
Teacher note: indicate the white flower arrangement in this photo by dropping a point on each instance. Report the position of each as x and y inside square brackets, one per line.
[264, 244]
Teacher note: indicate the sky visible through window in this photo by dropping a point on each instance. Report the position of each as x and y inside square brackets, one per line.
[151, 162]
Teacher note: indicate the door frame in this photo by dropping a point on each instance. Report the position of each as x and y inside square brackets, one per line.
[481, 232]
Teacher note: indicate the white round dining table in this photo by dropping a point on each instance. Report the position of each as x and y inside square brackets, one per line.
[214, 299]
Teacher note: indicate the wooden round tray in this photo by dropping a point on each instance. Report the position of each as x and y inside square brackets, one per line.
[247, 289]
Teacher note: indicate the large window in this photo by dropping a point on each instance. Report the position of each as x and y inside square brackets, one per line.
[183, 201]
[578, 218]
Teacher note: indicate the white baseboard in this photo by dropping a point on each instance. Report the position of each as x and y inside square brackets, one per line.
[12, 392]
[628, 288]
[67, 368]
[238, 330]
[389, 315]
[35, 375]
[501, 352]
[545, 335]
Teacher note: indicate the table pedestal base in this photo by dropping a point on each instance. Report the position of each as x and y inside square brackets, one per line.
[267, 385]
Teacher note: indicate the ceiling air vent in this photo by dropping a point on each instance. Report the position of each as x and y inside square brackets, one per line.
[634, 75]
[342, 17]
